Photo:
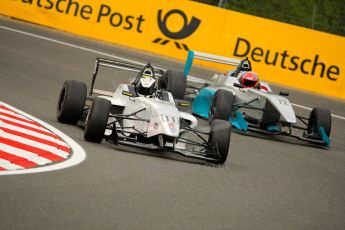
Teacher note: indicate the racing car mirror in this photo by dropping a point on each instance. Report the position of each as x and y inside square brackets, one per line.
[284, 94]
[126, 93]
[183, 104]
[238, 85]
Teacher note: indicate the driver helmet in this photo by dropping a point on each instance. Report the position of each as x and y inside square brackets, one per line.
[249, 79]
[245, 66]
[147, 83]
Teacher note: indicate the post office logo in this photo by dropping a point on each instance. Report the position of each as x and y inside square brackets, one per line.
[187, 29]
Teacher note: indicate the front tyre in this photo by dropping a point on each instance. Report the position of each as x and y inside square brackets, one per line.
[219, 138]
[71, 101]
[97, 120]
[174, 82]
[318, 118]
[221, 107]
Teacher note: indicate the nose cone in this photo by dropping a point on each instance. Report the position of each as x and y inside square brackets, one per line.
[284, 107]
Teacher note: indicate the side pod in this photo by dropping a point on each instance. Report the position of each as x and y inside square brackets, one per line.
[202, 102]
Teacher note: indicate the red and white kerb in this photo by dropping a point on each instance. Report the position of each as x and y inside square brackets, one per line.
[25, 144]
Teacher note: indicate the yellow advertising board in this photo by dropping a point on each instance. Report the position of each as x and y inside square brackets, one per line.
[279, 52]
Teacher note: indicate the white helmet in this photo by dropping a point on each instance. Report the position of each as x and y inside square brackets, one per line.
[147, 83]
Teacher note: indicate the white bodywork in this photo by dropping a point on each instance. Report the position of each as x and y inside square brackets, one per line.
[245, 95]
[157, 116]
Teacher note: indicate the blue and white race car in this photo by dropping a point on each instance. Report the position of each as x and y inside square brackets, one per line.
[254, 108]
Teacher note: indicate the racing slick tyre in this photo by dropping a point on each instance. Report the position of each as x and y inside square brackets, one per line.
[221, 107]
[219, 138]
[97, 120]
[174, 82]
[71, 101]
[319, 117]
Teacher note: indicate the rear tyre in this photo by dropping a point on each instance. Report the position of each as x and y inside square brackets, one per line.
[221, 107]
[174, 82]
[219, 138]
[319, 117]
[71, 101]
[97, 120]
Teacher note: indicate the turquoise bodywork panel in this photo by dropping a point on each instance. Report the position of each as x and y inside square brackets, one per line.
[189, 62]
[325, 138]
[273, 128]
[202, 102]
[238, 122]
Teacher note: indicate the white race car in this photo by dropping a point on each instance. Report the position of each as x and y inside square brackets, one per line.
[254, 108]
[141, 114]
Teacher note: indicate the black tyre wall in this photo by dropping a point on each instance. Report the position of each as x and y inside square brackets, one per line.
[220, 135]
[174, 82]
[97, 120]
[320, 117]
[221, 107]
[71, 101]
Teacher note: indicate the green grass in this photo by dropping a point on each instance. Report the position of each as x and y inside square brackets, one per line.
[322, 15]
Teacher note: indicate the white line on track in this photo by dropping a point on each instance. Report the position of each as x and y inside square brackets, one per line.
[111, 55]
[70, 45]
[307, 108]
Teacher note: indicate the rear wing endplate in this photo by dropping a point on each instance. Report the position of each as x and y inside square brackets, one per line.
[208, 57]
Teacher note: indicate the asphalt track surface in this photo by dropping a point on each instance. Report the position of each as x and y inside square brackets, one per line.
[267, 184]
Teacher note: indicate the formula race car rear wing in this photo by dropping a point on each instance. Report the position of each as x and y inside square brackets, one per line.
[208, 57]
[214, 58]
[134, 67]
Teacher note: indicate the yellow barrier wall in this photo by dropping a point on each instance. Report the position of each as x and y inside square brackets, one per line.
[280, 53]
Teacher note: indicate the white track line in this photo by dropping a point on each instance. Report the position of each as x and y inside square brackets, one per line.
[70, 45]
[110, 55]
[307, 108]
